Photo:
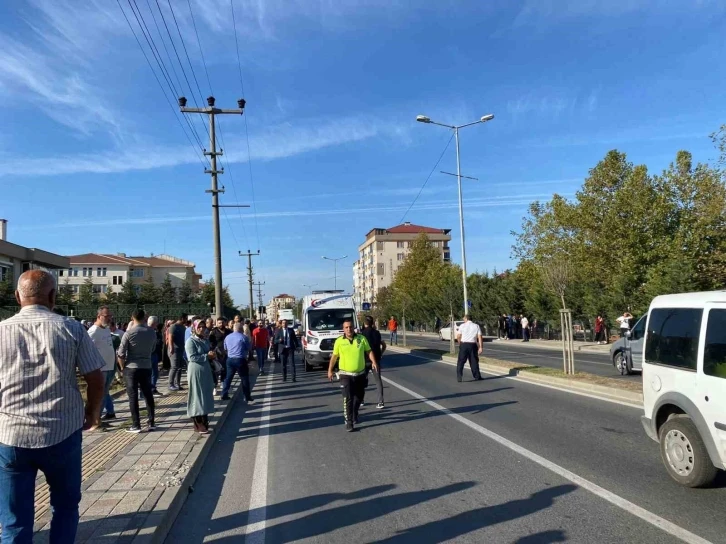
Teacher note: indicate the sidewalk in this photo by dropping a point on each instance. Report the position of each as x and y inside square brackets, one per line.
[134, 484]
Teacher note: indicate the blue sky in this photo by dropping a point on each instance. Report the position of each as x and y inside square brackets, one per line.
[92, 158]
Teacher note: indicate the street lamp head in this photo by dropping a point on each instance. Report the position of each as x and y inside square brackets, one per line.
[487, 117]
[210, 101]
[422, 119]
[182, 102]
[241, 103]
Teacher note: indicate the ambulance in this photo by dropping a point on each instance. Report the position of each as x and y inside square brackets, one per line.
[324, 313]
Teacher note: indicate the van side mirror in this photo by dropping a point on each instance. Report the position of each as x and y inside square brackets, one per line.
[628, 334]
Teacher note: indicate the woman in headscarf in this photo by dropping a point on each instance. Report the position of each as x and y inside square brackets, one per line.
[200, 402]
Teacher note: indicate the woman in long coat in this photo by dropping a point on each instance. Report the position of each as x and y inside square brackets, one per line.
[200, 402]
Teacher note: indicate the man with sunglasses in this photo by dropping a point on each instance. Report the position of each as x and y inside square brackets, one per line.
[102, 338]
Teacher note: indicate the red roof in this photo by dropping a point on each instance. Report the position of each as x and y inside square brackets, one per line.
[97, 258]
[284, 295]
[408, 228]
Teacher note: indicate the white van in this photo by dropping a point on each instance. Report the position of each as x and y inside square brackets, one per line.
[684, 384]
[324, 313]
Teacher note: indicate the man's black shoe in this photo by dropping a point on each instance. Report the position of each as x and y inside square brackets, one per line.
[349, 427]
[294, 379]
[478, 379]
[226, 397]
[107, 417]
[458, 380]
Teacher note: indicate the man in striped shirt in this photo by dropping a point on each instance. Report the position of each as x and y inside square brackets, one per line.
[42, 411]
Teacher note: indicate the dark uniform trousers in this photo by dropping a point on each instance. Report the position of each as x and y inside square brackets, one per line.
[353, 389]
[470, 351]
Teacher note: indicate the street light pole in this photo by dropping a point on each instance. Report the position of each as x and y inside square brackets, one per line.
[455, 128]
[335, 261]
[461, 224]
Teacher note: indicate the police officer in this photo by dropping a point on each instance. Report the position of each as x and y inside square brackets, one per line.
[350, 352]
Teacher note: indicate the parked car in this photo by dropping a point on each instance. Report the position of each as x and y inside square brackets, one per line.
[445, 332]
[684, 384]
[617, 350]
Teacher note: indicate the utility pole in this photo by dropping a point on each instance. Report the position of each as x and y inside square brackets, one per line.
[259, 285]
[250, 277]
[212, 153]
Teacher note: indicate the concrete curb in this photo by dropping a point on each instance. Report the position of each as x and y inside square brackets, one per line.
[163, 514]
[594, 390]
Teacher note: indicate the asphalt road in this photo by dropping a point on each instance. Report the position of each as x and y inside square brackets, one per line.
[496, 461]
[593, 363]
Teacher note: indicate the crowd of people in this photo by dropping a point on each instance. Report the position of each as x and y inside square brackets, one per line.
[511, 327]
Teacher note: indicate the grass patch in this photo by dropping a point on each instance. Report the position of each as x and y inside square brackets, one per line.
[583, 377]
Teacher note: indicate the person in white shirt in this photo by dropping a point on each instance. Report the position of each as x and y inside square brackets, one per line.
[525, 327]
[624, 321]
[470, 347]
[102, 338]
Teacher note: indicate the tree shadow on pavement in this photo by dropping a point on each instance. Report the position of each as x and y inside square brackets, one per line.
[479, 518]
[326, 521]
[408, 402]
[545, 537]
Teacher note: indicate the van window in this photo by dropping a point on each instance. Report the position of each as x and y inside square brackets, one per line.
[714, 352]
[639, 330]
[673, 337]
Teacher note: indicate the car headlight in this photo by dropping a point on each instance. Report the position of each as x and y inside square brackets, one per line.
[312, 340]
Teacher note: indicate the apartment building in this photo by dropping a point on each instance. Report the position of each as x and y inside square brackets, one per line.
[277, 303]
[110, 272]
[16, 259]
[383, 251]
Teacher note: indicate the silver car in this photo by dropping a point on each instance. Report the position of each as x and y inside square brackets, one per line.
[617, 350]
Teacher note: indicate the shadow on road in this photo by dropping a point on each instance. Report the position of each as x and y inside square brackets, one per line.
[545, 537]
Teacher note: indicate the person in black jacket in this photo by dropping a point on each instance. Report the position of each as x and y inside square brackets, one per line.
[286, 343]
[378, 346]
[216, 344]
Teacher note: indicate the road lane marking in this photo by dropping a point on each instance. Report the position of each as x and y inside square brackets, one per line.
[522, 380]
[612, 498]
[257, 518]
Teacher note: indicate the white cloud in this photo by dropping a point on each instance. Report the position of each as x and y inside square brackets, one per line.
[275, 142]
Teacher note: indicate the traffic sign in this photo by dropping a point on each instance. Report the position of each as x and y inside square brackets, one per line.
[468, 303]
[366, 306]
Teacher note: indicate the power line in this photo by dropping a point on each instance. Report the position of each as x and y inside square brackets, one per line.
[181, 64]
[247, 132]
[161, 37]
[226, 164]
[151, 67]
[427, 178]
[159, 61]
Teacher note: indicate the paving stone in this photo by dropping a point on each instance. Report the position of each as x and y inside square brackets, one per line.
[105, 482]
[174, 447]
[150, 479]
[130, 503]
[126, 462]
[102, 507]
[158, 447]
[125, 482]
[139, 449]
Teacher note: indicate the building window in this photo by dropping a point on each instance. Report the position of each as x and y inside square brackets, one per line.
[85, 271]
[117, 280]
[75, 289]
[400, 256]
[399, 245]
[410, 245]
[4, 273]
[104, 272]
[381, 269]
[60, 273]
[100, 272]
[99, 289]
[380, 246]
[137, 272]
[75, 272]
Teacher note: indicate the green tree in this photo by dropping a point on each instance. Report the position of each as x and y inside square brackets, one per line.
[207, 293]
[128, 293]
[149, 293]
[185, 295]
[65, 293]
[111, 296]
[167, 292]
[7, 292]
[85, 293]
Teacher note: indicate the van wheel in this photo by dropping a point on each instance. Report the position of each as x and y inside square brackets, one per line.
[620, 364]
[684, 453]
